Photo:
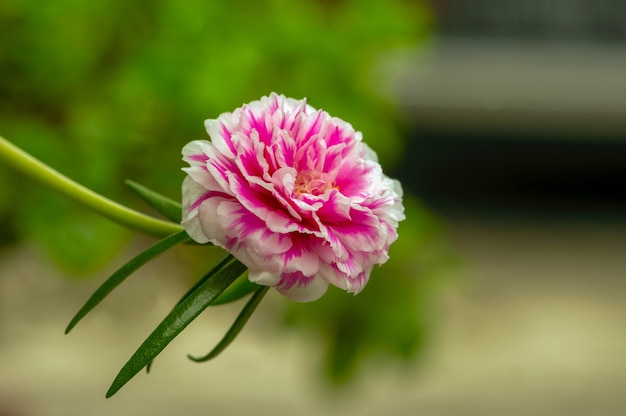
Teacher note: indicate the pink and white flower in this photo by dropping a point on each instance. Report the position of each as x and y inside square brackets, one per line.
[292, 193]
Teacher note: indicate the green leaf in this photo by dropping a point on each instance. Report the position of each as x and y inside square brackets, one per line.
[126, 270]
[236, 291]
[169, 208]
[217, 280]
[236, 327]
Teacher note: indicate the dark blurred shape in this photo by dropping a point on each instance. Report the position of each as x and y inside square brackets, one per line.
[539, 176]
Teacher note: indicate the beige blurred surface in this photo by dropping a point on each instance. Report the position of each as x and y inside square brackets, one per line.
[534, 324]
[562, 89]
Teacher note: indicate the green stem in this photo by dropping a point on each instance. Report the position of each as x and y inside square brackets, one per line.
[37, 170]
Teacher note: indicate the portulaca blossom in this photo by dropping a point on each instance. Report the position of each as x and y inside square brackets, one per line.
[292, 193]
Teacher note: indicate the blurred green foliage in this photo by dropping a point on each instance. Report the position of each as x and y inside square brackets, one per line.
[105, 91]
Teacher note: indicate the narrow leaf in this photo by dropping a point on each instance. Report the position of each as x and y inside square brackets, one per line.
[236, 291]
[169, 208]
[126, 270]
[236, 327]
[219, 278]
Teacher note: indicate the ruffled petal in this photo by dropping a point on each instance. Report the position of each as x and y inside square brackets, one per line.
[299, 288]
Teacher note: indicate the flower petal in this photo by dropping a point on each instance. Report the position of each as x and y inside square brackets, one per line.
[299, 288]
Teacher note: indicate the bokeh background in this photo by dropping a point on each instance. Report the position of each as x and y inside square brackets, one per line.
[505, 121]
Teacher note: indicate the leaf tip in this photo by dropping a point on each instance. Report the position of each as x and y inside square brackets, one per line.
[71, 325]
[195, 359]
[117, 384]
[113, 389]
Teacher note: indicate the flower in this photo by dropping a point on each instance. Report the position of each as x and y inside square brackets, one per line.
[292, 193]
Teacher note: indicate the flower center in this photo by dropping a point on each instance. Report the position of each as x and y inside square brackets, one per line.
[313, 182]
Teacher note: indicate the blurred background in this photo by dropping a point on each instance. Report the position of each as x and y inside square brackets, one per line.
[505, 121]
